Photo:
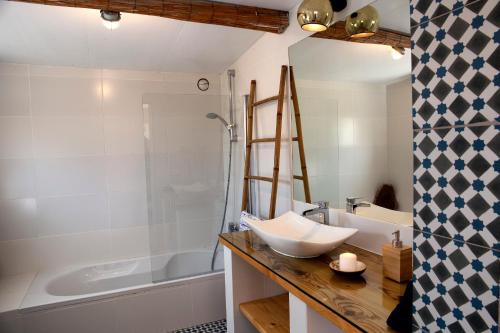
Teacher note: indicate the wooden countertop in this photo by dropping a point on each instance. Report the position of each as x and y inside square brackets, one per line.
[354, 305]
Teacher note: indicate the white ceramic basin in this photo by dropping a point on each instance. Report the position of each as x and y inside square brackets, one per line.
[295, 236]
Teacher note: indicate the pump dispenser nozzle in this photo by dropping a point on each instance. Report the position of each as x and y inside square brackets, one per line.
[396, 242]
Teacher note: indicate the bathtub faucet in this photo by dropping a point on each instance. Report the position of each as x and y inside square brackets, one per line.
[353, 203]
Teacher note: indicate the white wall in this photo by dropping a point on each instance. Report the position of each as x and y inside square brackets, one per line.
[400, 141]
[320, 122]
[346, 143]
[72, 174]
[262, 62]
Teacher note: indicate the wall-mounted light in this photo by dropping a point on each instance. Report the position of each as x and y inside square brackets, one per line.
[397, 52]
[362, 23]
[315, 15]
[111, 19]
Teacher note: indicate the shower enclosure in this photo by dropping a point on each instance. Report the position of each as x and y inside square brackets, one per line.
[187, 155]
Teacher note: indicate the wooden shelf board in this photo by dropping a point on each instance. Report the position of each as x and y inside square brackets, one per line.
[268, 314]
[353, 305]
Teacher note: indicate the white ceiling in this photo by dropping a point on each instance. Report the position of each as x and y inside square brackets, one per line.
[331, 60]
[394, 14]
[60, 36]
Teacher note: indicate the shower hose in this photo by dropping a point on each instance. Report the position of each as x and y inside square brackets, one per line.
[214, 254]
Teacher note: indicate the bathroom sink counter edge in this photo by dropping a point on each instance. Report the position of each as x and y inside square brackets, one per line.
[352, 305]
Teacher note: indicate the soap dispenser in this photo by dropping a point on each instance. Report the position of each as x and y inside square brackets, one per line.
[397, 260]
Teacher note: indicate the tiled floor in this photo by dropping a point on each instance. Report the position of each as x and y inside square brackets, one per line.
[213, 327]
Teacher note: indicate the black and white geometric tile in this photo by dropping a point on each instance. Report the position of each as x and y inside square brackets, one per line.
[213, 327]
[456, 115]
[453, 58]
[446, 274]
[457, 183]
[424, 10]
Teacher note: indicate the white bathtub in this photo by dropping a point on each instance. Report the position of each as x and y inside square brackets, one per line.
[122, 297]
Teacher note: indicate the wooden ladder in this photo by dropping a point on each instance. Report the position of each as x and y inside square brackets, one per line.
[252, 104]
[300, 139]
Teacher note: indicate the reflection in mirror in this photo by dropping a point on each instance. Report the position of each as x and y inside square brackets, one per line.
[355, 102]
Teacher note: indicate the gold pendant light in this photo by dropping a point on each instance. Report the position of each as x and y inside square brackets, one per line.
[315, 15]
[362, 23]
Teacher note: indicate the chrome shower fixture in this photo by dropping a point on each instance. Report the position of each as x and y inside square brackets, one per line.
[229, 127]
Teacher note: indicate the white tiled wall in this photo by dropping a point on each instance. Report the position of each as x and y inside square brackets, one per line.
[400, 142]
[72, 172]
[345, 140]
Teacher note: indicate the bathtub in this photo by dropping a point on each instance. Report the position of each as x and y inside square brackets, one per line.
[126, 296]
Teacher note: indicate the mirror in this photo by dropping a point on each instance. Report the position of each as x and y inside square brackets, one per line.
[354, 97]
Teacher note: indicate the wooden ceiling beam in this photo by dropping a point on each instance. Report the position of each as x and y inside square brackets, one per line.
[201, 11]
[383, 36]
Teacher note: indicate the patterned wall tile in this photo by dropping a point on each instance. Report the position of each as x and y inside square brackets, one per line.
[456, 285]
[425, 10]
[456, 63]
[457, 183]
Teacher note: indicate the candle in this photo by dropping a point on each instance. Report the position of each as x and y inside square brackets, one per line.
[347, 262]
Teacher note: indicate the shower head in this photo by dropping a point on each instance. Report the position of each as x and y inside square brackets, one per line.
[216, 116]
[230, 127]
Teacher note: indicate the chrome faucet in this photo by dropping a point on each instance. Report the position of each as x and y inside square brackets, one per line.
[353, 203]
[322, 211]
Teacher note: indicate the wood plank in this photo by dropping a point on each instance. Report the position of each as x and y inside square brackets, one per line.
[268, 314]
[266, 179]
[201, 11]
[354, 305]
[248, 153]
[266, 100]
[300, 138]
[383, 36]
[277, 142]
[263, 140]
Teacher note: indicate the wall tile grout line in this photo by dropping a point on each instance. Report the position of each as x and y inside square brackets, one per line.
[444, 14]
[480, 124]
[453, 239]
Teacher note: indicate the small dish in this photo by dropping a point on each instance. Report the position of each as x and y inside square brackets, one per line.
[360, 268]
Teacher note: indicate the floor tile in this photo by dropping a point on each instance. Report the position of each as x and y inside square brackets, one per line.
[213, 327]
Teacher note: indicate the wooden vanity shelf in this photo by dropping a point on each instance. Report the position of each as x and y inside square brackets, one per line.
[318, 300]
[268, 314]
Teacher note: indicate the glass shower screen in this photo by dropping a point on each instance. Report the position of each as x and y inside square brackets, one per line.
[185, 180]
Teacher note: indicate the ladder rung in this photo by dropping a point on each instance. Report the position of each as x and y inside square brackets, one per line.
[266, 179]
[263, 140]
[295, 138]
[267, 100]
[298, 177]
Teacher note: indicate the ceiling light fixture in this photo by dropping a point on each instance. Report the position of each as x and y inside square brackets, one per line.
[397, 52]
[362, 23]
[315, 15]
[110, 19]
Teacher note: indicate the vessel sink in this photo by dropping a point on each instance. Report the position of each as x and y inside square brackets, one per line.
[295, 236]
